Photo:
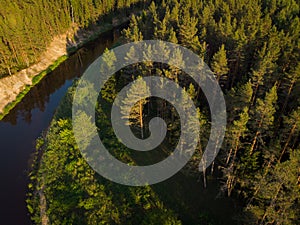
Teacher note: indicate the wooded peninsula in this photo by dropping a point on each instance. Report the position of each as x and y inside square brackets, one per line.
[253, 49]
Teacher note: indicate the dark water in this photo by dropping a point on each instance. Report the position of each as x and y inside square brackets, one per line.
[20, 128]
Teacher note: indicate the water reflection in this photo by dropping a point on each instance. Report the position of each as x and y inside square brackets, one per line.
[20, 128]
[68, 70]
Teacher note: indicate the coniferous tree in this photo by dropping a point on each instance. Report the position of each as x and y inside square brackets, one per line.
[235, 133]
[263, 116]
[265, 65]
[135, 118]
[277, 199]
[188, 32]
[258, 160]
[172, 36]
[292, 128]
[219, 63]
[292, 78]
[133, 34]
[27, 27]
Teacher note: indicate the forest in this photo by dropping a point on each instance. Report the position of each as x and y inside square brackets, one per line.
[27, 27]
[253, 49]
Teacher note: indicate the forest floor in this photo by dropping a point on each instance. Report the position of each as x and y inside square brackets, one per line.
[13, 88]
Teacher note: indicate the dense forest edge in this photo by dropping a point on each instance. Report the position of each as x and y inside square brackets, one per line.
[25, 57]
[96, 200]
[253, 49]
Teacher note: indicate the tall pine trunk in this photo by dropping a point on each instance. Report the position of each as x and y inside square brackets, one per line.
[287, 142]
[141, 118]
[287, 97]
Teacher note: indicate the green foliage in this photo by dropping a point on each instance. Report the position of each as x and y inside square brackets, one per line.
[276, 198]
[260, 67]
[134, 115]
[77, 195]
[27, 27]
[259, 160]
[188, 32]
[164, 218]
[133, 33]
[219, 63]
[108, 92]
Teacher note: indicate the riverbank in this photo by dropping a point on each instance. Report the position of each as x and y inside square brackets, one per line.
[15, 87]
[58, 165]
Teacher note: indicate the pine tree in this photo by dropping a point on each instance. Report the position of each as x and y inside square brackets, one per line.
[188, 32]
[219, 63]
[176, 61]
[108, 92]
[234, 135]
[85, 130]
[175, 14]
[133, 33]
[162, 27]
[237, 99]
[264, 65]
[263, 116]
[135, 118]
[291, 128]
[291, 78]
[192, 93]
[172, 36]
[191, 122]
[130, 72]
[239, 56]
[277, 200]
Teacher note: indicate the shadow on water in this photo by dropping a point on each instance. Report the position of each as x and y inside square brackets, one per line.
[72, 68]
[20, 128]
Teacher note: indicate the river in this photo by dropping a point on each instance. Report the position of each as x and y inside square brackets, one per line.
[25, 123]
[20, 128]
